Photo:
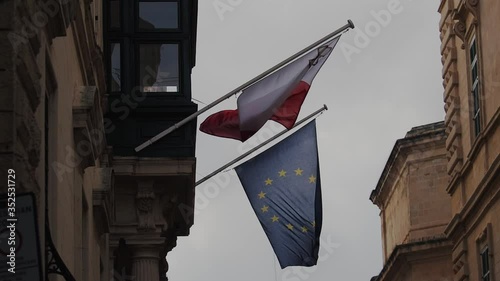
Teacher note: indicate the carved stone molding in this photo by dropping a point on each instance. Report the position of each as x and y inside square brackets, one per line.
[87, 124]
[144, 206]
[100, 181]
[473, 7]
[170, 243]
[460, 29]
[29, 75]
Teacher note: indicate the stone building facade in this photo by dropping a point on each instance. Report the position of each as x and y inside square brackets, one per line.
[469, 170]
[415, 208]
[471, 73]
[104, 212]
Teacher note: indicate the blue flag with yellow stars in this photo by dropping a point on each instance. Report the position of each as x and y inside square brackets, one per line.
[283, 186]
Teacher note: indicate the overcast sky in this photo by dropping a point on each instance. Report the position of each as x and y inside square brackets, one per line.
[375, 94]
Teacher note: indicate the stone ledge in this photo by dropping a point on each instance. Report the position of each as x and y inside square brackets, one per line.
[405, 254]
[157, 166]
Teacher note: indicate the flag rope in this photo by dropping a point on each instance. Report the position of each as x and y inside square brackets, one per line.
[154, 139]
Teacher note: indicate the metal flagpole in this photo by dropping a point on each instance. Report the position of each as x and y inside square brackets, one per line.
[261, 145]
[349, 24]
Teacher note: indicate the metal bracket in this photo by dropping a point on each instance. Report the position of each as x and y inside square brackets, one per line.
[55, 264]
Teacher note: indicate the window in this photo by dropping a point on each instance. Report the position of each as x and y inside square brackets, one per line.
[158, 15]
[474, 67]
[159, 67]
[143, 43]
[115, 63]
[485, 264]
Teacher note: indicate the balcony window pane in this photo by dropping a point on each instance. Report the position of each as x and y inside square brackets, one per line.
[115, 67]
[114, 14]
[159, 67]
[485, 264]
[473, 51]
[158, 15]
[474, 73]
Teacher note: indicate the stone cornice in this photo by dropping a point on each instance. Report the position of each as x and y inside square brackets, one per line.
[415, 141]
[404, 254]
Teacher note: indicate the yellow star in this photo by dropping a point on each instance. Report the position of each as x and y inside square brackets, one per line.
[262, 195]
[282, 173]
[298, 172]
[304, 229]
[268, 181]
[312, 179]
[275, 218]
[265, 208]
[289, 226]
[314, 223]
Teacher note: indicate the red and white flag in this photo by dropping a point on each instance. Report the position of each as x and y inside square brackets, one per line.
[277, 97]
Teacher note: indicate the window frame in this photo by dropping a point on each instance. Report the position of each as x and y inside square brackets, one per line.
[128, 36]
[136, 27]
[485, 272]
[109, 67]
[474, 85]
[483, 246]
[137, 73]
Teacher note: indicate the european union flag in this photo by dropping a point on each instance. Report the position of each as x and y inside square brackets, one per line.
[283, 186]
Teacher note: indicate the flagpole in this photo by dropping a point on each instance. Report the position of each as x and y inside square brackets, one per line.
[261, 145]
[349, 24]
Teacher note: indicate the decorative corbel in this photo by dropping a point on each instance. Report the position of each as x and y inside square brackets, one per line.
[144, 204]
[460, 29]
[473, 7]
[170, 203]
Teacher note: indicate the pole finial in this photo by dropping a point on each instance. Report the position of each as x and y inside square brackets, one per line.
[351, 24]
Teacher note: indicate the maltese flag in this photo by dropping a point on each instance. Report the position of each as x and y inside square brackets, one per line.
[277, 97]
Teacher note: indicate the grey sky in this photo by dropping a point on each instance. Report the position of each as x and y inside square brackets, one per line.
[374, 96]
